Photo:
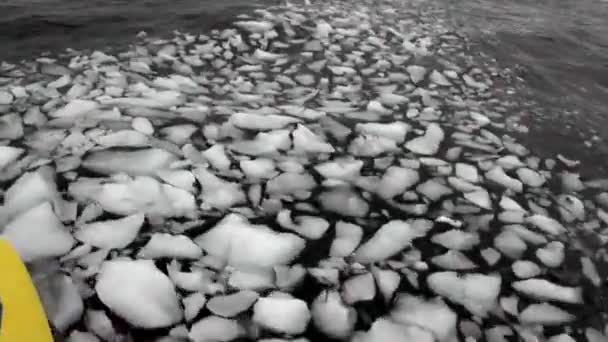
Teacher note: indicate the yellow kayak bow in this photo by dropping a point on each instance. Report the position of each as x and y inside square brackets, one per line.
[22, 317]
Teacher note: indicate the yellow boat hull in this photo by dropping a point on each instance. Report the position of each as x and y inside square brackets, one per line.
[22, 317]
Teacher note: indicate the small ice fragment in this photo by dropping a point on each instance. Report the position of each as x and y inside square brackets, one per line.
[395, 130]
[142, 125]
[433, 315]
[530, 177]
[344, 201]
[546, 224]
[395, 181]
[433, 189]
[417, 73]
[480, 198]
[138, 162]
[453, 260]
[498, 175]
[467, 172]
[311, 227]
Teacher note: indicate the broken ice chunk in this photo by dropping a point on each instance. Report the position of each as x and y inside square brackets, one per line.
[480, 198]
[282, 314]
[417, 73]
[395, 181]
[305, 140]
[545, 314]
[218, 193]
[359, 288]
[332, 316]
[232, 304]
[340, 168]
[38, 234]
[546, 224]
[478, 293]
[238, 242]
[467, 172]
[453, 260]
[123, 138]
[163, 245]
[138, 162]
[552, 255]
[344, 201]
[371, 146]
[75, 108]
[525, 269]
[395, 130]
[546, 290]
[8, 155]
[138, 292]
[429, 143]
[498, 175]
[390, 239]
[456, 239]
[217, 329]
[348, 237]
[510, 244]
[311, 227]
[61, 300]
[433, 189]
[432, 315]
[530, 177]
[260, 121]
[216, 156]
[111, 234]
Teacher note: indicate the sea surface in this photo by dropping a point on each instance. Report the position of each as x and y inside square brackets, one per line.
[558, 47]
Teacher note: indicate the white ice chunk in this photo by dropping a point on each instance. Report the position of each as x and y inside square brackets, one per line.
[478, 293]
[395, 181]
[340, 168]
[371, 146]
[163, 245]
[111, 234]
[122, 138]
[552, 255]
[260, 168]
[546, 224]
[332, 316]
[182, 179]
[359, 288]
[525, 269]
[546, 290]
[456, 239]
[310, 227]
[530, 177]
[216, 329]
[75, 108]
[348, 237]
[238, 242]
[387, 281]
[417, 73]
[216, 155]
[232, 304]
[218, 193]
[383, 330]
[433, 315]
[61, 300]
[38, 234]
[395, 130]
[467, 172]
[9, 155]
[344, 201]
[260, 121]
[304, 140]
[545, 314]
[138, 162]
[193, 304]
[498, 175]
[453, 260]
[390, 239]
[433, 189]
[429, 143]
[510, 244]
[138, 292]
[142, 125]
[480, 198]
[281, 314]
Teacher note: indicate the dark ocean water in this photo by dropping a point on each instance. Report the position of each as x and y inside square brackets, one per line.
[559, 47]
